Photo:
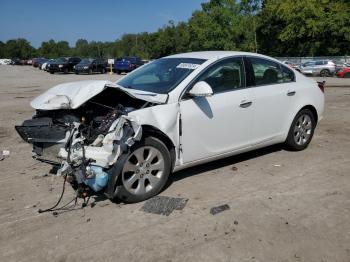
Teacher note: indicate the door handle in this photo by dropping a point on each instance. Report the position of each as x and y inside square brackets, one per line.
[245, 104]
[291, 93]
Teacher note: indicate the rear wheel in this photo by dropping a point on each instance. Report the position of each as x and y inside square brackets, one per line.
[103, 71]
[325, 72]
[145, 171]
[301, 130]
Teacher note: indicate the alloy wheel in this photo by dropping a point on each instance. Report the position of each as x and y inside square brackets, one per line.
[302, 129]
[143, 170]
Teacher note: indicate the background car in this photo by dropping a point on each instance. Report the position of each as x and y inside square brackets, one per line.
[344, 73]
[292, 65]
[35, 62]
[15, 61]
[63, 64]
[340, 66]
[41, 61]
[5, 61]
[45, 66]
[91, 65]
[318, 68]
[127, 64]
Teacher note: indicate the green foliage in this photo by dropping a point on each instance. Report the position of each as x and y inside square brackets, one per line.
[273, 27]
[17, 48]
[303, 28]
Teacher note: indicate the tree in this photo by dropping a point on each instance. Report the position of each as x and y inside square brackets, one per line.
[18, 48]
[223, 25]
[81, 48]
[304, 28]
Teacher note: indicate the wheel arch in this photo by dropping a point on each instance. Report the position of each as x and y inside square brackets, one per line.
[313, 110]
[148, 130]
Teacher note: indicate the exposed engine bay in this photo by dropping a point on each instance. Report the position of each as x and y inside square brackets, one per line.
[87, 141]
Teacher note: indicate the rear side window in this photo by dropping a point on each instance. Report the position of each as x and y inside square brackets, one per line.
[287, 74]
[319, 63]
[266, 72]
[225, 76]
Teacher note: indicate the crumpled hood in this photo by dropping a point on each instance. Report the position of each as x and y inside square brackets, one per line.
[72, 95]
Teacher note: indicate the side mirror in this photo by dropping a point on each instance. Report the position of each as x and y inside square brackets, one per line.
[201, 88]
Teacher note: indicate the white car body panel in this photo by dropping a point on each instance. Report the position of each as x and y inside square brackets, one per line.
[72, 95]
[212, 127]
[215, 125]
[270, 105]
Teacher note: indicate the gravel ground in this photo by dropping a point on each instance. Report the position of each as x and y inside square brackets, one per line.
[284, 206]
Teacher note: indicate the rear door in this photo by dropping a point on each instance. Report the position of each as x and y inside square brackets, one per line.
[271, 98]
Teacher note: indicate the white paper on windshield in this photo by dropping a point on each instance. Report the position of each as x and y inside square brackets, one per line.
[188, 66]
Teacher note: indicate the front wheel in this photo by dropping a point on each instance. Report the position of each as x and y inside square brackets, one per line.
[301, 131]
[145, 171]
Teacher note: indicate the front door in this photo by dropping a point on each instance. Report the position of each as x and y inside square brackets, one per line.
[222, 122]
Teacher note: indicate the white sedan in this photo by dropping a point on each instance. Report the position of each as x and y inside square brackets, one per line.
[126, 138]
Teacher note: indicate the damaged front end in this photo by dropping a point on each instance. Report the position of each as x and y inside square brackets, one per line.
[94, 165]
[85, 128]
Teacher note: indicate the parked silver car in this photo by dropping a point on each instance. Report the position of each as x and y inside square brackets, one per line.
[318, 68]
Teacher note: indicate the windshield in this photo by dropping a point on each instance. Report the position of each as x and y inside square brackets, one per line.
[86, 61]
[160, 76]
[61, 59]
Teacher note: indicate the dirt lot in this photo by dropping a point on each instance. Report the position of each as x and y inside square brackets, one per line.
[284, 206]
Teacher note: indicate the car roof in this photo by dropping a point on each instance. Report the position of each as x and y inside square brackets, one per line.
[208, 55]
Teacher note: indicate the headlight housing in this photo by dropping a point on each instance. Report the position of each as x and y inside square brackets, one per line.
[86, 67]
[60, 66]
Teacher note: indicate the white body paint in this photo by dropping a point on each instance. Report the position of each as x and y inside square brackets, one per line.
[212, 127]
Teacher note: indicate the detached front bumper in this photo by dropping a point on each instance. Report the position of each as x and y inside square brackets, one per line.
[47, 138]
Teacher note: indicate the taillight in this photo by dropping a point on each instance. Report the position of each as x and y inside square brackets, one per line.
[321, 85]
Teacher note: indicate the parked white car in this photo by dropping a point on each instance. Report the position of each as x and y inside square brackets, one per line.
[175, 112]
[5, 61]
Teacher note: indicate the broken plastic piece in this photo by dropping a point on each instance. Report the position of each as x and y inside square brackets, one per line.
[4, 154]
[218, 209]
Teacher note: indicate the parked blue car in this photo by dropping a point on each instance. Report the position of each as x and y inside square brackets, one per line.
[127, 64]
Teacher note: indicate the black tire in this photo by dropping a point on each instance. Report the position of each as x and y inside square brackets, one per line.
[291, 142]
[76, 72]
[103, 71]
[347, 75]
[119, 72]
[51, 72]
[123, 194]
[325, 73]
[90, 71]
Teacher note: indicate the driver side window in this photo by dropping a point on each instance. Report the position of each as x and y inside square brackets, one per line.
[225, 76]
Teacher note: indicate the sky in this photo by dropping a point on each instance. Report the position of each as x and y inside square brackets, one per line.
[104, 20]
